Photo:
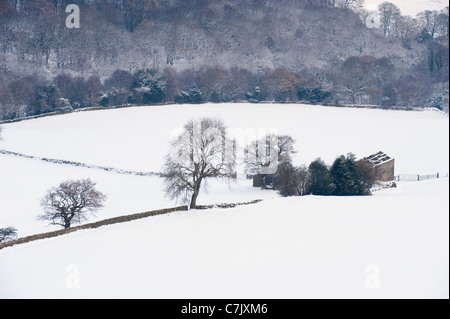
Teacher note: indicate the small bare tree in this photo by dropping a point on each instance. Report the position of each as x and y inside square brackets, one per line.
[291, 180]
[265, 155]
[351, 4]
[8, 234]
[71, 202]
[201, 152]
[389, 14]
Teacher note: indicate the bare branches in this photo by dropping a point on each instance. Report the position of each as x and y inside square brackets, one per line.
[389, 14]
[263, 156]
[7, 234]
[351, 4]
[202, 151]
[71, 201]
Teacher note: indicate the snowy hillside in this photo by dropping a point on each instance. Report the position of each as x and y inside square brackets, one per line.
[138, 139]
[292, 248]
[392, 245]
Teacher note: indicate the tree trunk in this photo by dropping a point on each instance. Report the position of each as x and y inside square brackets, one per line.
[194, 200]
[195, 194]
[68, 220]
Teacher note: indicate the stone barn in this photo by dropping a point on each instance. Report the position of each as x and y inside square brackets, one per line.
[383, 165]
[264, 181]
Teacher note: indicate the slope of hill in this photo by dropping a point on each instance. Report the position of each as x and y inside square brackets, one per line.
[391, 245]
[147, 51]
[189, 35]
[137, 139]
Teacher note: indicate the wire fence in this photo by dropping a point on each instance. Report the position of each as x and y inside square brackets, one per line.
[418, 177]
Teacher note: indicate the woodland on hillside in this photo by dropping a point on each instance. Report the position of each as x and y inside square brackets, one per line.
[134, 52]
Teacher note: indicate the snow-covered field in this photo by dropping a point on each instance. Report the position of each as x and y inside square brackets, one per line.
[392, 245]
[138, 138]
[395, 241]
[29, 180]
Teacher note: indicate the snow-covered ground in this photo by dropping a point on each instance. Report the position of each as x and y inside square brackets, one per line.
[28, 181]
[391, 245]
[138, 139]
[292, 248]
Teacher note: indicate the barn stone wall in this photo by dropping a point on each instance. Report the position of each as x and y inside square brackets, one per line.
[385, 172]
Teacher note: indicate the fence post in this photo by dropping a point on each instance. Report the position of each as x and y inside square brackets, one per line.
[437, 175]
[418, 177]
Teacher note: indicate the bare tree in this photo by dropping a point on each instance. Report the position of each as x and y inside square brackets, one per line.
[291, 180]
[265, 155]
[201, 152]
[7, 234]
[135, 11]
[351, 4]
[279, 85]
[285, 148]
[406, 29]
[355, 87]
[444, 22]
[71, 202]
[389, 14]
[430, 21]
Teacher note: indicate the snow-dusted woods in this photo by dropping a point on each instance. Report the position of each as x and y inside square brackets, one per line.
[148, 51]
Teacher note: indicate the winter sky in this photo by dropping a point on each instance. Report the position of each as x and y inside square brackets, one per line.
[410, 7]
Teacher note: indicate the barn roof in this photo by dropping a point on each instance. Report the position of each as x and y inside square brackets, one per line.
[378, 159]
